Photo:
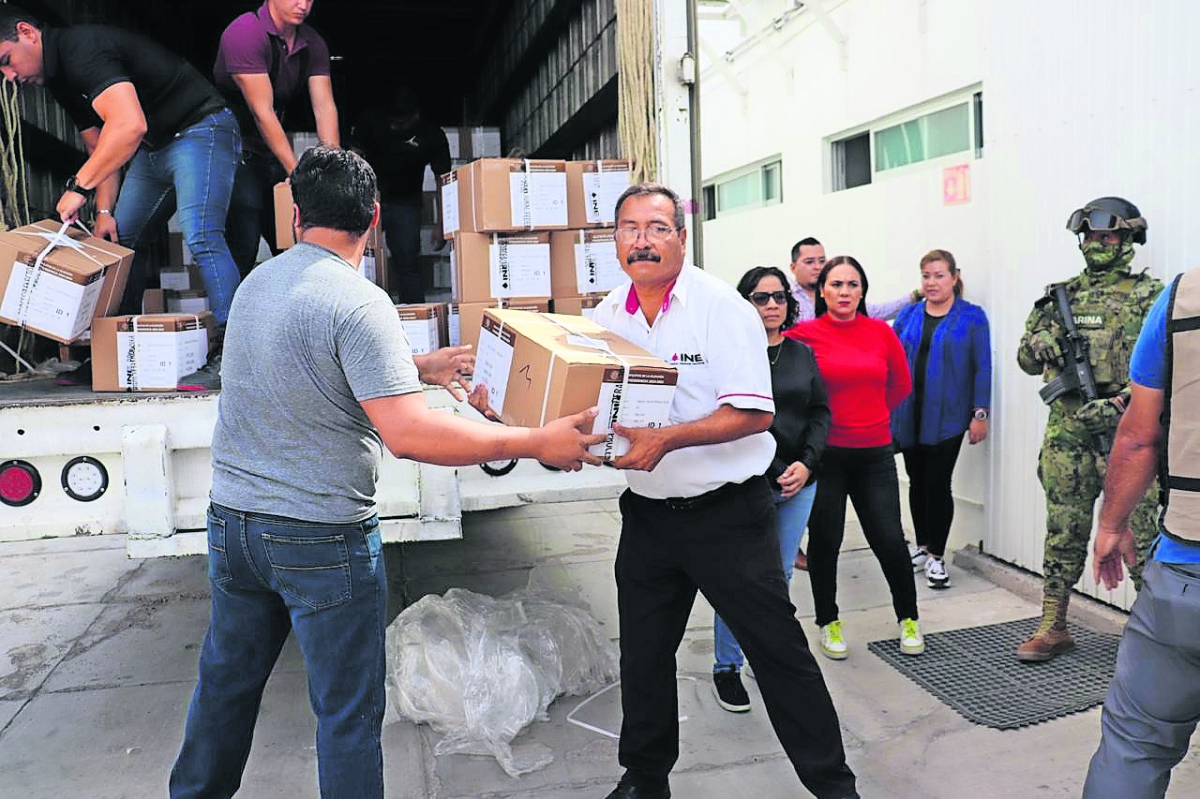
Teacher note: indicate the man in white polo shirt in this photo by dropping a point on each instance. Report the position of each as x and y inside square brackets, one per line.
[698, 514]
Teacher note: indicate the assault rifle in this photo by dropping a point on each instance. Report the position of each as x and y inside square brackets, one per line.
[1077, 374]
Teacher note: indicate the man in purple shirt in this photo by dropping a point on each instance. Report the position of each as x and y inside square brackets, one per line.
[265, 59]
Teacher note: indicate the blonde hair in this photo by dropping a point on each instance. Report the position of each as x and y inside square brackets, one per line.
[948, 259]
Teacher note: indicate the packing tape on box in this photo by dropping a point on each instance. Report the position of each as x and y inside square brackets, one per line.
[56, 239]
[583, 340]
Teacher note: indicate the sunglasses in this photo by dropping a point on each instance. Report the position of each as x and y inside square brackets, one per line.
[761, 298]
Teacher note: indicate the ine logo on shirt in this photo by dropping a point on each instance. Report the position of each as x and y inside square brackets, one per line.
[687, 359]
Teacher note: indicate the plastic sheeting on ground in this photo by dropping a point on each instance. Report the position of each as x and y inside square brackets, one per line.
[480, 669]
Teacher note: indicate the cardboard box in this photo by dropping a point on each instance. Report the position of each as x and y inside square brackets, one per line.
[185, 302]
[584, 262]
[284, 236]
[423, 325]
[153, 301]
[148, 353]
[593, 188]
[505, 195]
[473, 142]
[374, 263]
[540, 367]
[465, 318]
[500, 265]
[582, 305]
[80, 278]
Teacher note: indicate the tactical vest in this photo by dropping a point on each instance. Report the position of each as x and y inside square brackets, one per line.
[1180, 468]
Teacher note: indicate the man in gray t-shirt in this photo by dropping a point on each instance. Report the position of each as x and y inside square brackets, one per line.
[317, 379]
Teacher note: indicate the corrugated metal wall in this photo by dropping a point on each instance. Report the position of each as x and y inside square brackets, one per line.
[574, 61]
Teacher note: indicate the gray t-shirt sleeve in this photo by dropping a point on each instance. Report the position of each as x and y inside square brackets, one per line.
[374, 353]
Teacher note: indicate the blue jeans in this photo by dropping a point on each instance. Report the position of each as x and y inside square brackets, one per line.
[193, 173]
[793, 516]
[402, 228]
[269, 576]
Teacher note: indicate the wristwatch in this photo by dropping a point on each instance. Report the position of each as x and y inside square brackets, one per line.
[981, 414]
[73, 185]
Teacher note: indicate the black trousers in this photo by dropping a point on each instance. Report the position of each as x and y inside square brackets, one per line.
[929, 469]
[729, 551]
[868, 477]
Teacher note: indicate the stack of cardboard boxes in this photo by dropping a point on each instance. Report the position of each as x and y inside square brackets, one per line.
[528, 234]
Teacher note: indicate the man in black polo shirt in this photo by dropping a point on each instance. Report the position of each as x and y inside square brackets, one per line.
[137, 103]
[398, 143]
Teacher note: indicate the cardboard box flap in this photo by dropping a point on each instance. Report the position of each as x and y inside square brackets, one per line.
[577, 339]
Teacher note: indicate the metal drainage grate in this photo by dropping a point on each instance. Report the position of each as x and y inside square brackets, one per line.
[975, 671]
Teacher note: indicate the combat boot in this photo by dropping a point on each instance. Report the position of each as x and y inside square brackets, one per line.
[1051, 638]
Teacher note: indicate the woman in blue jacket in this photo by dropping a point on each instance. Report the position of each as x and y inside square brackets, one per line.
[949, 354]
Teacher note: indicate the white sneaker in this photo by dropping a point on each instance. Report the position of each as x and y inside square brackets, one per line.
[919, 557]
[911, 640]
[833, 643]
[935, 573]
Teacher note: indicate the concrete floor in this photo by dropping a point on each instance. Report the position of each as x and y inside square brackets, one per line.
[98, 661]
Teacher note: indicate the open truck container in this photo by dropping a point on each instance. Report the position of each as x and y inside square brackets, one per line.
[545, 72]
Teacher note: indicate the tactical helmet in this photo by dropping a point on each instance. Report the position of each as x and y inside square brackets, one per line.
[1109, 213]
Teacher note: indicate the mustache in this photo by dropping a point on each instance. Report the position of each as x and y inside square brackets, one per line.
[644, 254]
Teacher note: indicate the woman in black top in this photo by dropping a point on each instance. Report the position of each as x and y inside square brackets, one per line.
[800, 428]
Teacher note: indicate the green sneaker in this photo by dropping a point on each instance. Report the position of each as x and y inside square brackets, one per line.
[833, 643]
[911, 640]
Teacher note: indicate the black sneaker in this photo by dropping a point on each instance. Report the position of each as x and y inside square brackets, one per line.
[727, 685]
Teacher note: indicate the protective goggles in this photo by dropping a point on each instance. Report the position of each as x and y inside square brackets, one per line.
[1099, 219]
[761, 298]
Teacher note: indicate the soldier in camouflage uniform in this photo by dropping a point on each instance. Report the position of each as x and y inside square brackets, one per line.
[1108, 302]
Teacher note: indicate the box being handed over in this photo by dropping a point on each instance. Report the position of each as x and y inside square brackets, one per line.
[541, 367]
[149, 352]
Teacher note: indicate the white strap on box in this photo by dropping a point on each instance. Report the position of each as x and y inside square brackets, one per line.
[526, 197]
[58, 238]
[134, 356]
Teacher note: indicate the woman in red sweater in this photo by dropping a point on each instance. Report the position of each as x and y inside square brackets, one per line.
[866, 374]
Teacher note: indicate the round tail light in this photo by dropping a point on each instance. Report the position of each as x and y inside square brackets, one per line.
[20, 483]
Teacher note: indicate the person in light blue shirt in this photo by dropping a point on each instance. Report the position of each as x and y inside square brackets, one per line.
[1153, 704]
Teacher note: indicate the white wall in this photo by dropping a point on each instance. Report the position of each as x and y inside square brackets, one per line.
[1077, 104]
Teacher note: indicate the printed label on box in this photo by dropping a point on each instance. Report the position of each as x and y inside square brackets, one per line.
[601, 191]
[519, 270]
[159, 359]
[597, 267]
[174, 279]
[47, 302]
[538, 199]
[493, 361]
[366, 267]
[455, 328]
[450, 204]
[422, 335]
[633, 404]
[187, 304]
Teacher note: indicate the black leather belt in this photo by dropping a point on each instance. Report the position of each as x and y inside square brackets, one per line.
[700, 500]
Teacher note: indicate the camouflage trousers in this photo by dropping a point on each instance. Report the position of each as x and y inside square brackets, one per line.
[1071, 470]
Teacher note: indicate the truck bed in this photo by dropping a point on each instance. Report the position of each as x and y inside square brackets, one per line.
[44, 391]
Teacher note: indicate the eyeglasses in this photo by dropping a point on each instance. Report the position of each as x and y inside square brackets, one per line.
[1098, 219]
[761, 298]
[654, 234]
